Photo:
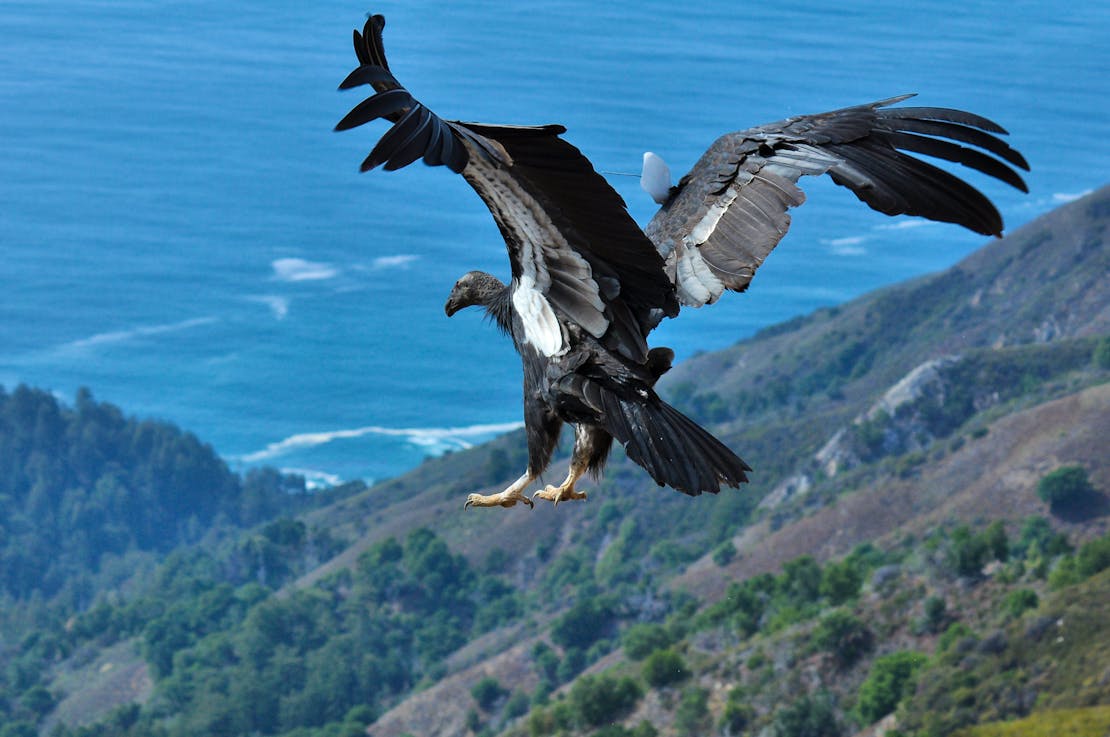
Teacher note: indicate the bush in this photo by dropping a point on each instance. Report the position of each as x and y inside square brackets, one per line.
[936, 614]
[663, 668]
[1020, 601]
[517, 705]
[1094, 557]
[487, 692]
[691, 718]
[800, 581]
[584, 624]
[967, 553]
[844, 636]
[840, 582]
[736, 716]
[641, 640]
[724, 553]
[1101, 355]
[1066, 489]
[602, 699]
[890, 680]
[809, 716]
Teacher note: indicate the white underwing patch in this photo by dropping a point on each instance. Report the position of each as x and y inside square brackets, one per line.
[541, 327]
[696, 284]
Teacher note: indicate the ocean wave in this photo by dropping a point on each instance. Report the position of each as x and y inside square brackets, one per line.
[314, 479]
[143, 331]
[400, 260]
[847, 246]
[1064, 197]
[434, 440]
[905, 224]
[298, 269]
[278, 305]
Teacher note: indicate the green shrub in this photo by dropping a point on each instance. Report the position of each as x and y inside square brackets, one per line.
[1101, 355]
[955, 632]
[1066, 489]
[517, 705]
[844, 636]
[1094, 557]
[663, 668]
[936, 614]
[840, 582]
[736, 716]
[891, 679]
[583, 624]
[967, 552]
[809, 716]
[1020, 601]
[691, 718]
[487, 692]
[724, 553]
[602, 699]
[642, 639]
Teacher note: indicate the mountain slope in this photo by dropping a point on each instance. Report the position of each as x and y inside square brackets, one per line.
[780, 397]
[907, 419]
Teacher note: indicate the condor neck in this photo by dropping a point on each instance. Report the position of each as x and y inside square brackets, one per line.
[499, 307]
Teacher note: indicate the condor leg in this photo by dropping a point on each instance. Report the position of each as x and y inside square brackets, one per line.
[507, 498]
[591, 448]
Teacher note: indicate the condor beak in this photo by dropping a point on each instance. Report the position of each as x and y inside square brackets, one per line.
[452, 306]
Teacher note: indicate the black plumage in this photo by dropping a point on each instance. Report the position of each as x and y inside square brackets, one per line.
[588, 285]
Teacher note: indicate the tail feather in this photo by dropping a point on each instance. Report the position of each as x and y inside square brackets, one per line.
[672, 448]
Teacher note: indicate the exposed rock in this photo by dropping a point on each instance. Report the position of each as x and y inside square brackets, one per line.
[797, 485]
[911, 387]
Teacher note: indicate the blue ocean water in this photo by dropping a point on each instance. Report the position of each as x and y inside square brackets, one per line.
[182, 232]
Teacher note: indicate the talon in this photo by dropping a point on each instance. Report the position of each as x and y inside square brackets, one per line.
[507, 498]
[557, 494]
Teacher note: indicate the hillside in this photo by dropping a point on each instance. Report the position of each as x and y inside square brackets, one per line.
[893, 528]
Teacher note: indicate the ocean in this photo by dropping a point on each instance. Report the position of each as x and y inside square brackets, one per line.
[182, 232]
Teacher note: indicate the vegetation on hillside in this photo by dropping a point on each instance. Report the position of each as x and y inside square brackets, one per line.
[242, 612]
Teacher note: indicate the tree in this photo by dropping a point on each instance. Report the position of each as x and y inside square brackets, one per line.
[642, 639]
[487, 692]
[601, 699]
[663, 668]
[584, 624]
[1067, 489]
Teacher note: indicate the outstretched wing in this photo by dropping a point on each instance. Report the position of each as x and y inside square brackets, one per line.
[574, 249]
[730, 211]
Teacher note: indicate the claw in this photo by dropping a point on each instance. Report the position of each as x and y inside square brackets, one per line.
[507, 498]
[556, 494]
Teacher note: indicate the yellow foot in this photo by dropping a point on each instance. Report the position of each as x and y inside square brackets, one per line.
[558, 494]
[507, 498]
